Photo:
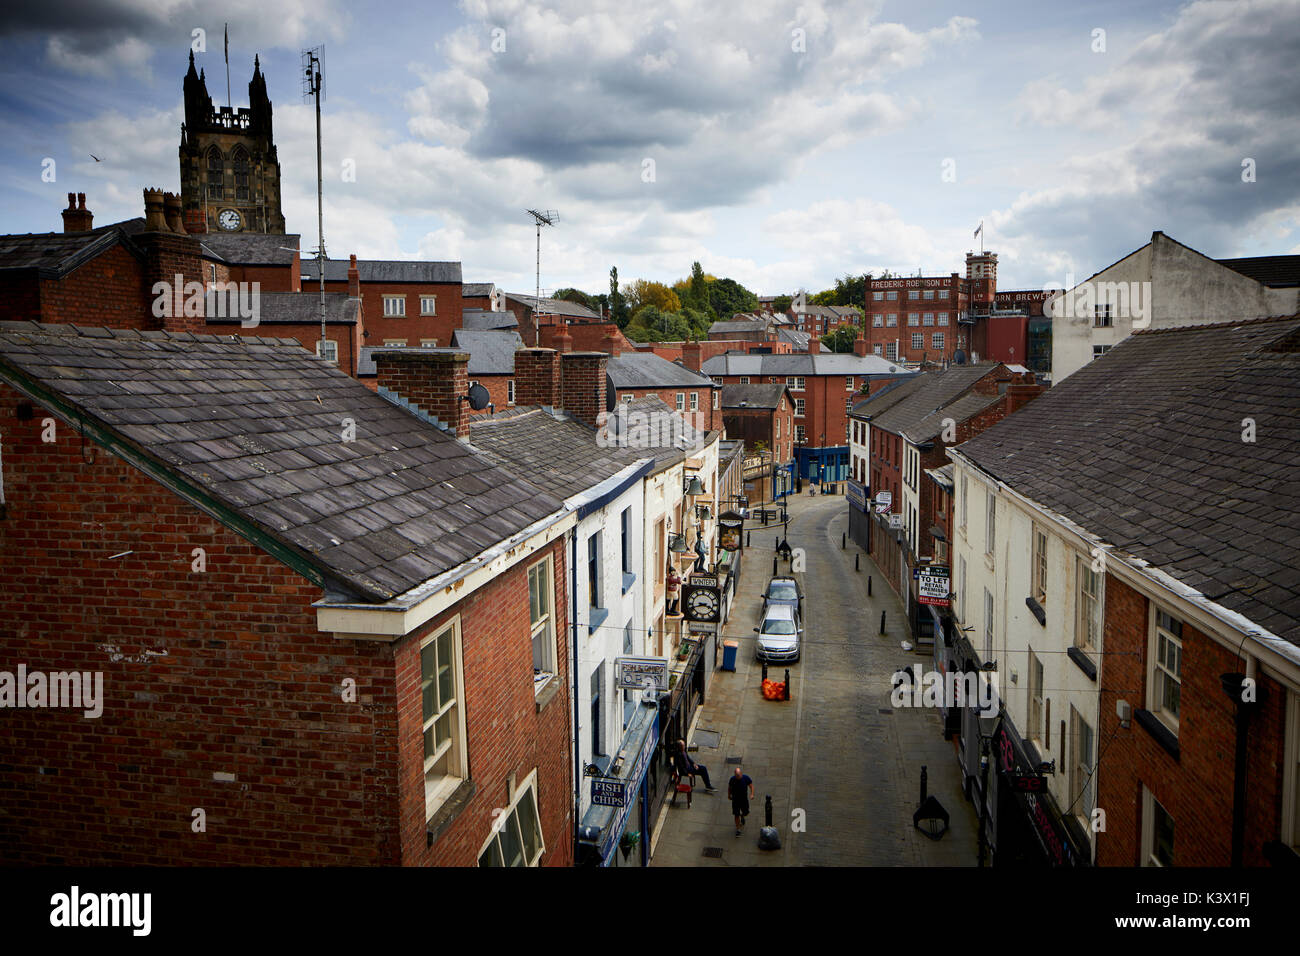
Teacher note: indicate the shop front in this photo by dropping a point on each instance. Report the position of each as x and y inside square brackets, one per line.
[1034, 831]
[677, 709]
[859, 496]
[615, 829]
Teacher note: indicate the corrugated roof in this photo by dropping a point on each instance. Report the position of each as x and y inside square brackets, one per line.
[251, 428]
[1144, 448]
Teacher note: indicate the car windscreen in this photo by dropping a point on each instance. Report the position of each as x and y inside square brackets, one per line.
[782, 592]
[778, 627]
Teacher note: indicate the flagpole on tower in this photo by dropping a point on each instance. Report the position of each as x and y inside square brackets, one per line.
[979, 231]
[228, 100]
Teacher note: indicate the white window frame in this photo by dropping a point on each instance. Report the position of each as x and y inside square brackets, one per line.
[937, 340]
[394, 306]
[428, 305]
[798, 407]
[943, 293]
[914, 293]
[1102, 316]
[744, 380]
[927, 318]
[877, 296]
[800, 434]
[1099, 350]
[929, 294]
[891, 320]
[988, 626]
[991, 523]
[695, 401]
[510, 391]
[877, 349]
[878, 320]
[918, 340]
[1038, 567]
[544, 625]
[1156, 667]
[913, 319]
[1082, 795]
[891, 351]
[681, 401]
[1036, 697]
[717, 398]
[848, 383]
[961, 586]
[509, 817]
[1085, 607]
[428, 343]
[331, 351]
[892, 295]
[439, 784]
[1149, 803]
[394, 343]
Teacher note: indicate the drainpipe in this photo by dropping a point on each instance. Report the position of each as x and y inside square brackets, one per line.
[577, 750]
[1234, 685]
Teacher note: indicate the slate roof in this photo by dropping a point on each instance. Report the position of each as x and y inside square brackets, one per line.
[253, 248]
[752, 396]
[299, 308]
[797, 363]
[477, 290]
[55, 254]
[484, 319]
[410, 271]
[647, 370]
[563, 452]
[490, 353]
[931, 393]
[796, 338]
[1267, 270]
[553, 306]
[737, 325]
[251, 428]
[652, 428]
[957, 411]
[1143, 448]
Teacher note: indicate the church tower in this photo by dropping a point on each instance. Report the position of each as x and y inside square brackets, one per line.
[230, 176]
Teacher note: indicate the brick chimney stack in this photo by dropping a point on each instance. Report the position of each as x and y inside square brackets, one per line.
[354, 278]
[172, 277]
[860, 345]
[609, 344]
[434, 381]
[582, 384]
[77, 218]
[537, 377]
[814, 345]
[691, 355]
[562, 339]
[172, 213]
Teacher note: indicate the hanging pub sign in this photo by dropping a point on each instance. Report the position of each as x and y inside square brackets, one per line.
[932, 585]
[731, 527]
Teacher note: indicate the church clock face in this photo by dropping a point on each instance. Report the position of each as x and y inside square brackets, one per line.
[230, 219]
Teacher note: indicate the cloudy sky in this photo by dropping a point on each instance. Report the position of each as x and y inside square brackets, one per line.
[780, 143]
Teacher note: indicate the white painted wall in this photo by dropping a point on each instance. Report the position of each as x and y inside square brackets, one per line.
[1186, 288]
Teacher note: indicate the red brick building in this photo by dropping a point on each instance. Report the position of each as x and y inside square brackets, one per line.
[409, 303]
[326, 632]
[634, 375]
[930, 317]
[762, 416]
[823, 386]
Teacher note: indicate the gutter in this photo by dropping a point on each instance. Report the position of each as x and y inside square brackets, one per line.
[1214, 620]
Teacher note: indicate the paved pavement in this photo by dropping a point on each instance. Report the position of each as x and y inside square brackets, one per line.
[841, 765]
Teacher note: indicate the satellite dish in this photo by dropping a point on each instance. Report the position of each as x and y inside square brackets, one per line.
[478, 397]
[959, 357]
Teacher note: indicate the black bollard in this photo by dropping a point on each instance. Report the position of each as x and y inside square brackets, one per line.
[868, 585]
[844, 540]
[767, 811]
[764, 670]
[857, 567]
[749, 538]
[776, 542]
[786, 695]
[882, 622]
[774, 566]
[924, 788]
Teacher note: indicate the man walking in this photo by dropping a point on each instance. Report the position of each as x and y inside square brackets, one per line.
[740, 789]
[686, 767]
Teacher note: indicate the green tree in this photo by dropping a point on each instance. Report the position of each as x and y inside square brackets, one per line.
[699, 289]
[645, 292]
[781, 303]
[727, 297]
[840, 339]
[576, 295]
[617, 304]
